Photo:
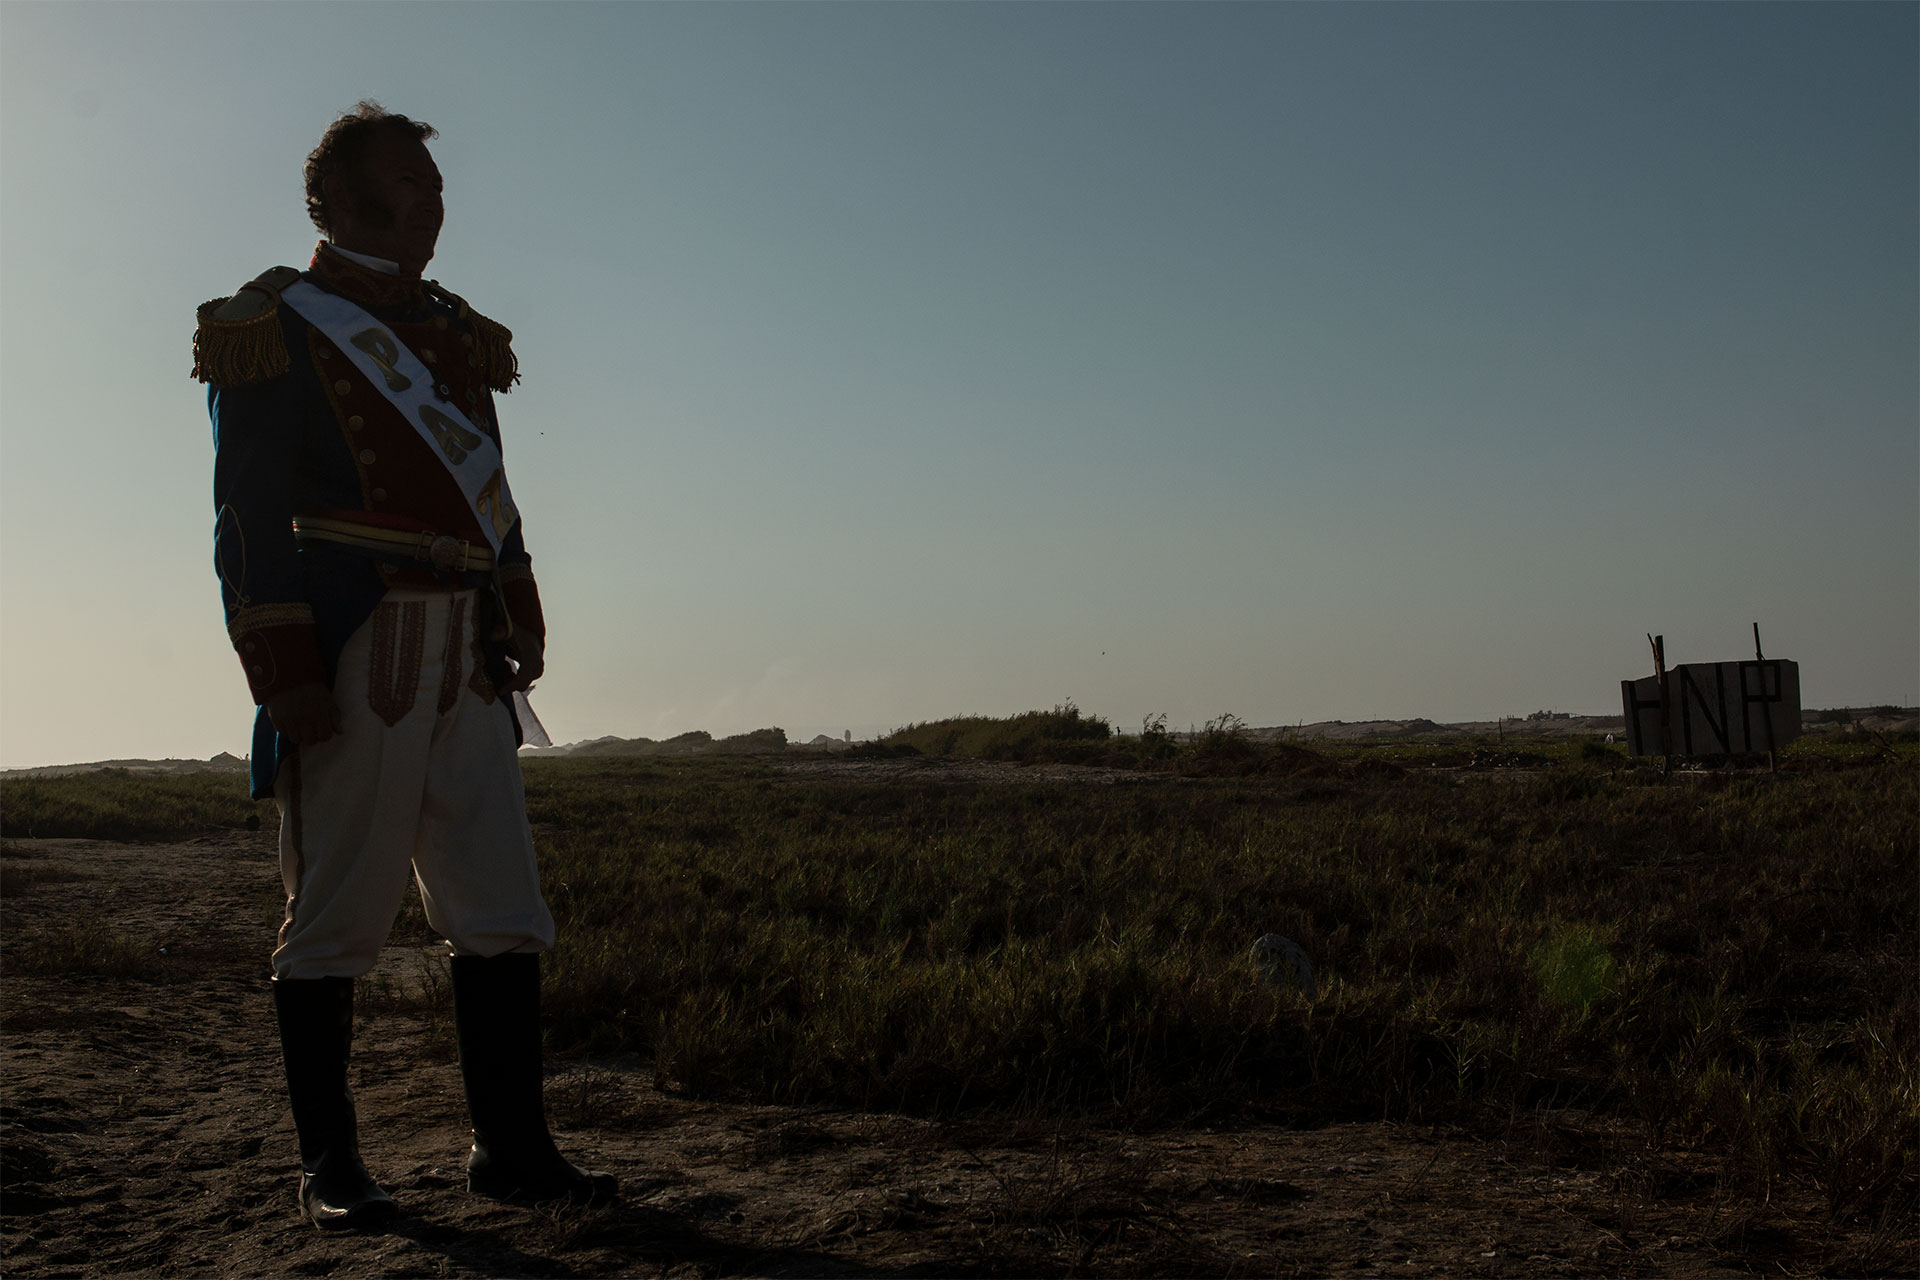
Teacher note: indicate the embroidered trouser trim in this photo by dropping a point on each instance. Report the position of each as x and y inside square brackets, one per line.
[435, 793]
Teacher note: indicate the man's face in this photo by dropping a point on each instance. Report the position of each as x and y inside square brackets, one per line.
[391, 207]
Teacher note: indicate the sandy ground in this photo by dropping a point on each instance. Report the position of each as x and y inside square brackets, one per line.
[144, 1132]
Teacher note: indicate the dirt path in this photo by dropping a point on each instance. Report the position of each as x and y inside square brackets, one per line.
[145, 1133]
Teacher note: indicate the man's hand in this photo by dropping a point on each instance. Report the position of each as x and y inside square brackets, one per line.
[528, 649]
[305, 713]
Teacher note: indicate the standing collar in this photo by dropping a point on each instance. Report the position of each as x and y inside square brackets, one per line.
[347, 274]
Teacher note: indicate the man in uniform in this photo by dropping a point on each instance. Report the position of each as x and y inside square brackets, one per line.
[379, 594]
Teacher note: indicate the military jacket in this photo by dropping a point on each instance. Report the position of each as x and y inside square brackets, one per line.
[298, 430]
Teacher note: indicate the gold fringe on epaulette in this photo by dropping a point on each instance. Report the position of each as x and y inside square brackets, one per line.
[493, 343]
[237, 352]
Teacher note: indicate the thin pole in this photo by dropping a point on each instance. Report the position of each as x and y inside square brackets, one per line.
[1772, 764]
[1659, 644]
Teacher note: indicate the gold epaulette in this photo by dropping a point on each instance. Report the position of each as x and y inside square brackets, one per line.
[238, 340]
[492, 341]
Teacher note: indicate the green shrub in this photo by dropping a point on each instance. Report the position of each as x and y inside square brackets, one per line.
[1029, 736]
[1573, 966]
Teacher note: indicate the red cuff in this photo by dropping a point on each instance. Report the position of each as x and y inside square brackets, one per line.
[278, 648]
[521, 595]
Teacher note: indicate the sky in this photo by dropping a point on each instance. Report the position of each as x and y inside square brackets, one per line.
[884, 363]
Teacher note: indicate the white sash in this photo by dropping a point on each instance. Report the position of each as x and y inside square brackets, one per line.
[470, 456]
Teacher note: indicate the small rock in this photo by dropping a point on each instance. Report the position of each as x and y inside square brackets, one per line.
[1283, 964]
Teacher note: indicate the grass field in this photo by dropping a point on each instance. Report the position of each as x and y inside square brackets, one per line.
[1724, 961]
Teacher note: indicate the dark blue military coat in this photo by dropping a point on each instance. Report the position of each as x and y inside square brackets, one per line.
[298, 430]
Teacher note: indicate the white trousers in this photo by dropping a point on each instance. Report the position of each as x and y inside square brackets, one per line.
[424, 778]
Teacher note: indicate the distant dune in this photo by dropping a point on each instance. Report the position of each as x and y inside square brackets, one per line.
[222, 763]
[1553, 724]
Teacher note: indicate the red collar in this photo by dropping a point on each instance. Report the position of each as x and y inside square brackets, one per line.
[364, 285]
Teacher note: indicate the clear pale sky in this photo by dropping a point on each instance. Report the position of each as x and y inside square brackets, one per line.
[885, 363]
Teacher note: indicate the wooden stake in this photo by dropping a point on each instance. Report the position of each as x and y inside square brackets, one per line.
[1659, 644]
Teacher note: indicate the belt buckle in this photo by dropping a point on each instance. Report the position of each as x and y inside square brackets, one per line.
[446, 551]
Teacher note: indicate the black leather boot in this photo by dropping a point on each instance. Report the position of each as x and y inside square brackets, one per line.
[496, 1010]
[316, 1035]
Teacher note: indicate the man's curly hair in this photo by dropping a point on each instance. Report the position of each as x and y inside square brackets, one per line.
[345, 142]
